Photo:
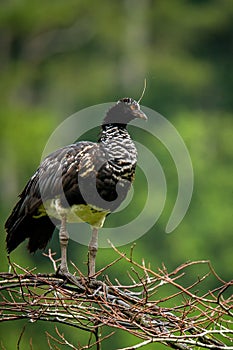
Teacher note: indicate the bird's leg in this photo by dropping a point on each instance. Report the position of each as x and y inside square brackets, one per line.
[64, 238]
[92, 250]
[63, 268]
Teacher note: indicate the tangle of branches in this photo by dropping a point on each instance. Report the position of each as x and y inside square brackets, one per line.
[181, 317]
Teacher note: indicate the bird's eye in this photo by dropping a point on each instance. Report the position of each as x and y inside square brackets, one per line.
[129, 102]
[134, 106]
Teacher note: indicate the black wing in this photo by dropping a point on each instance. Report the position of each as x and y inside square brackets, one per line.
[57, 175]
[80, 173]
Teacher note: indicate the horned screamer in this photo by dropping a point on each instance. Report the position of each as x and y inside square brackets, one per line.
[82, 182]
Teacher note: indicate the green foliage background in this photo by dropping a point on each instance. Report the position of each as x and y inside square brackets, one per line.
[59, 57]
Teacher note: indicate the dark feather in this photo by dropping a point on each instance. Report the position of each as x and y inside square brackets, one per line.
[98, 174]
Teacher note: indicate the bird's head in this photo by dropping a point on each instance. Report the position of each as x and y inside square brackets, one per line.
[123, 112]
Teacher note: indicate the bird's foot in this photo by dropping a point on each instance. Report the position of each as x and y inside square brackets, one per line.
[94, 283]
[64, 272]
[90, 283]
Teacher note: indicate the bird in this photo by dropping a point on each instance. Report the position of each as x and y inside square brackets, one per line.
[82, 182]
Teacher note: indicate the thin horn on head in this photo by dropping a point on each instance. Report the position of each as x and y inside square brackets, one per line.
[143, 91]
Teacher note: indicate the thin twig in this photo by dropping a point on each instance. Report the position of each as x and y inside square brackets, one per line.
[178, 318]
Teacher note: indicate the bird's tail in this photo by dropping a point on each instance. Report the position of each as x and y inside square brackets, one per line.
[21, 225]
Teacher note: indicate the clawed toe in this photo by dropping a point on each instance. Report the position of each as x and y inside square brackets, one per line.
[70, 278]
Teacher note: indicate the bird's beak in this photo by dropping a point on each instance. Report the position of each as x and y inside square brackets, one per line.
[139, 114]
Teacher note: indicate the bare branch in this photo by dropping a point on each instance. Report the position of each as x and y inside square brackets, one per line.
[179, 316]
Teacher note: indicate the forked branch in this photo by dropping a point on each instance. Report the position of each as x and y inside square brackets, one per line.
[155, 306]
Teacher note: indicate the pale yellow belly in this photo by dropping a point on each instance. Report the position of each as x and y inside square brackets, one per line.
[74, 214]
